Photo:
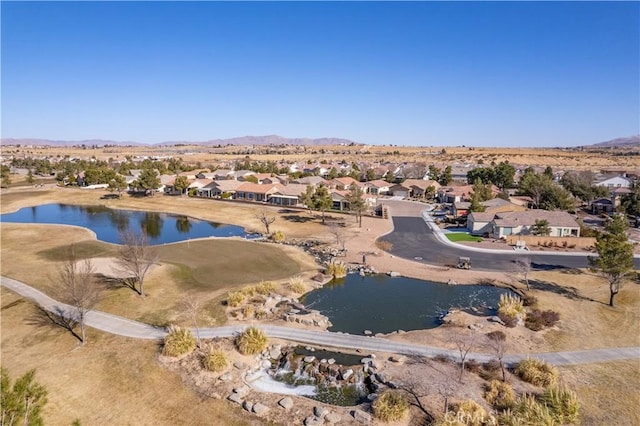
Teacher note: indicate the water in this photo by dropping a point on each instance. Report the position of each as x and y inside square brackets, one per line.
[384, 304]
[108, 223]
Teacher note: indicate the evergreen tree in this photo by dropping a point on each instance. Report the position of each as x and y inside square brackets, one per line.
[615, 254]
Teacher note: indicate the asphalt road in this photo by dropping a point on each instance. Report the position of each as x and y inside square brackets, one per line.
[414, 239]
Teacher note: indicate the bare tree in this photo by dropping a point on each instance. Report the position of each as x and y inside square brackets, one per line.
[192, 307]
[339, 234]
[464, 342]
[135, 258]
[496, 341]
[523, 266]
[266, 218]
[76, 286]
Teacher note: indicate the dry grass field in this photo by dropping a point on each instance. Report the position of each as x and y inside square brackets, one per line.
[119, 368]
[555, 157]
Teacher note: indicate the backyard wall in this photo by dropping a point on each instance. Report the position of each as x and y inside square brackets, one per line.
[552, 242]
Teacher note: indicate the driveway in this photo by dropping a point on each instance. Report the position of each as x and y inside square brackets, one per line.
[413, 238]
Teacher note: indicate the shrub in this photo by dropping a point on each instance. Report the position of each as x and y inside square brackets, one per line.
[251, 341]
[178, 341]
[261, 314]
[473, 366]
[390, 406]
[537, 320]
[529, 300]
[247, 311]
[384, 245]
[500, 395]
[563, 404]
[215, 361]
[508, 321]
[235, 298]
[337, 269]
[537, 372]
[510, 307]
[278, 237]
[296, 284]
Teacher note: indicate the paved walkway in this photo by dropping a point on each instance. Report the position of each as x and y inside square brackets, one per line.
[124, 327]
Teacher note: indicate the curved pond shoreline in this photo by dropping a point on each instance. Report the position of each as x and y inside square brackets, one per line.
[107, 223]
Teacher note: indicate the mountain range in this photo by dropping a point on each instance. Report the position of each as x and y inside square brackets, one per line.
[627, 142]
[244, 140]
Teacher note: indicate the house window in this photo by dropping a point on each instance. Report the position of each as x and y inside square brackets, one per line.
[507, 231]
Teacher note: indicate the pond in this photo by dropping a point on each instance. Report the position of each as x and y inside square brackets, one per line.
[383, 304]
[108, 224]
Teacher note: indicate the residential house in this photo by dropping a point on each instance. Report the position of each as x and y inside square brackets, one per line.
[561, 223]
[420, 188]
[342, 183]
[615, 182]
[602, 205]
[223, 174]
[495, 205]
[288, 195]
[255, 192]
[377, 187]
[310, 180]
[242, 175]
[220, 189]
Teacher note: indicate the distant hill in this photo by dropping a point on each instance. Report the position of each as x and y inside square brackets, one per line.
[244, 140]
[628, 142]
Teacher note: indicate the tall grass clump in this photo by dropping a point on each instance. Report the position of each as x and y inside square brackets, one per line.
[500, 395]
[265, 287]
[278, 237]
[235, 298]
[178, 341]
[563, 404]
[537, 372]
[296, 284]
[215, 360]
[390, 406]
[528, 412]
[465, 413]
[251, 341]
[510, 308]
[337, 269]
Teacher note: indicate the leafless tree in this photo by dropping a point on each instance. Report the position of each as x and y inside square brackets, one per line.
[440, 382]
[266, 218]
[496, 341]
[464, 341]
[76, 286]
[192, 307]
[523, 266]
[339, 234]
[135, 258]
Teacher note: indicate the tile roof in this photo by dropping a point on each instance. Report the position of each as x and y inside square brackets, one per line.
[529, 217]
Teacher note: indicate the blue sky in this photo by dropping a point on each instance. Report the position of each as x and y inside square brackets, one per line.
[414, 73]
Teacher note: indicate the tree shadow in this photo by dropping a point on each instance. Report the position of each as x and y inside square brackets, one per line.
[568, 292]
[42, 318]
[546, 267]
[297, 218]
[117, 282]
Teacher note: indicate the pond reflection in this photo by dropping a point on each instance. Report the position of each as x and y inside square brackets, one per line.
[108, 224]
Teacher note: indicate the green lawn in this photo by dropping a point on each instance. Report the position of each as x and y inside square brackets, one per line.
[461, 236]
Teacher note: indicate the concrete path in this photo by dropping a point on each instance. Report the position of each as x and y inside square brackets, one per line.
[124, 327]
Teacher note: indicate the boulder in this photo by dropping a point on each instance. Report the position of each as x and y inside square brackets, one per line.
[398, 359]
[260, 409]
[286, 403]
[332, 418]
[240, 365]
[393, 274]
[381, 377]
[347, 373]
[361, 417]
[320, 412]
[331, 361]
[368, 333]
[309, 359]
[247, 406]
[275, 353]
[234, 397]
[226, 377]
[496, 318]
[265, 364]
[313, 421]
[241, 390]
[372, 396]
